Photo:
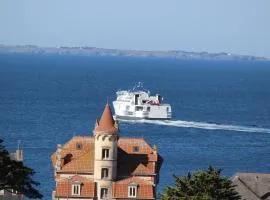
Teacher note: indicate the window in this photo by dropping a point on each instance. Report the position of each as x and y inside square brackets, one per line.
[138, 108]
[76, 189]
[103, 193]
[136, 149]
[79, 146]
[14, 192]
[132, 190]
[105, 153]
[104, 173]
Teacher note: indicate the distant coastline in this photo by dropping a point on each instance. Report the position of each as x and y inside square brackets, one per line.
[93, 51]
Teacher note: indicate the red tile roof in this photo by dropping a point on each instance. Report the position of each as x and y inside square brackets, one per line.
[82, 164]
[76, 159]
[137, 146]
[106, 123]
[140, 162]
[64, 187]
[136, 157]
[134, 164]
[145, 188]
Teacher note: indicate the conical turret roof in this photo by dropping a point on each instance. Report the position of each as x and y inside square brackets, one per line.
[106, 123]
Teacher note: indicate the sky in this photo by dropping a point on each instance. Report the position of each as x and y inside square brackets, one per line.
[233, 26]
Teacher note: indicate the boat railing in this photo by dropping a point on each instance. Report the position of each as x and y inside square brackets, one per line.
[131, 93]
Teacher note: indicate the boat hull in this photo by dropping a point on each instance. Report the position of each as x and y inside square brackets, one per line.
[119, 117]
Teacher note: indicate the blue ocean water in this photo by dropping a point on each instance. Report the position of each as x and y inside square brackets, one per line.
[221, 110]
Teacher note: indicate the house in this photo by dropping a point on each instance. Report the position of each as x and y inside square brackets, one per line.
[105, 165]
[252, 186]
[7, 195]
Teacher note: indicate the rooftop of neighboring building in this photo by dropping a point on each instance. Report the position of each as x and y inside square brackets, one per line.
[252, 186]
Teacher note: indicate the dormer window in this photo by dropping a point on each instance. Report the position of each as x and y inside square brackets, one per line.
[105, 153]
[104, 173]
[76, 189]
[136, 149]
[132, 190]
[78, 146]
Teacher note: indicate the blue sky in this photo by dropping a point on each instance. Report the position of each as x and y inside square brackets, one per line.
[236, 26]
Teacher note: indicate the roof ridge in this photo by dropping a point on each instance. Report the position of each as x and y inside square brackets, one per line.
[71, 177]
[71, 140]
[241, 181]
[87, 136]
[134, 177]
[252, 173]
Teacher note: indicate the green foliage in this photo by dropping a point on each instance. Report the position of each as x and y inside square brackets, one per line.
[14, 176]
[201, 185]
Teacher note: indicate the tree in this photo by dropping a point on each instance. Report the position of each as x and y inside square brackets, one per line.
[202, 185]
[15, 176]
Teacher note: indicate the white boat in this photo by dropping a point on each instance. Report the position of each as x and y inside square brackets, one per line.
[140, 105]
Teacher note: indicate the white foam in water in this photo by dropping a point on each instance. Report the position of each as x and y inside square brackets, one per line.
[202, 125]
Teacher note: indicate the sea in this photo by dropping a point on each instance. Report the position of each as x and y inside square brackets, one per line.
[221, 109]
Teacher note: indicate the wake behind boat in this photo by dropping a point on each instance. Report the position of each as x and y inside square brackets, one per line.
[140, 105]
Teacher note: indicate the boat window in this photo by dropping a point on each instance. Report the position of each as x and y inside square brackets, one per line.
[139, 108]
[144, 101]
[148, 109]
[136, 99]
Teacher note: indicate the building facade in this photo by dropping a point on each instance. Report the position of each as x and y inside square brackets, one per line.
[105, 165]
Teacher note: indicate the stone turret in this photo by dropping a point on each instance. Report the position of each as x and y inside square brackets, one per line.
[105, 167]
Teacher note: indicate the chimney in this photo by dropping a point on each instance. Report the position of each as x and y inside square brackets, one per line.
[19, 152]
[58, 157]
[19, 155]
[155, 149]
